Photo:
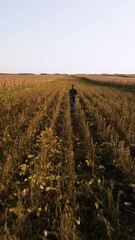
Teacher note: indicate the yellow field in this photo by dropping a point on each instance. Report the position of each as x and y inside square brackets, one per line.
[67, 175]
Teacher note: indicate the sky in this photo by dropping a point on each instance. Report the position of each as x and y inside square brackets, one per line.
[67, 36]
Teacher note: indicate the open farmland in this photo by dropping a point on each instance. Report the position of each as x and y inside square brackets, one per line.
[63, 175]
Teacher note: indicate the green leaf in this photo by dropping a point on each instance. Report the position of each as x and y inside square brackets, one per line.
[51, 188]
[129, 204]
[97, 205]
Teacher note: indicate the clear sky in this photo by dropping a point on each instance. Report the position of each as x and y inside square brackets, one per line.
[67, 36]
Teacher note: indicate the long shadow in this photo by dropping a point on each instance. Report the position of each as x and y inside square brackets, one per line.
[118, 86]
[79, 146]
[112, 173]
[83, 172]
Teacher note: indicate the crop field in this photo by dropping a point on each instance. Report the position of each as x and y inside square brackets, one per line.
[67, 175]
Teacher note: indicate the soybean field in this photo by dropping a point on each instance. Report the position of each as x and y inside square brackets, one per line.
[67, 175]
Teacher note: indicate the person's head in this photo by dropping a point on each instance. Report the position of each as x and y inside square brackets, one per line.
[72, 86]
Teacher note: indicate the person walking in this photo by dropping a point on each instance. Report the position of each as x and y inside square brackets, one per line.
[72, 95]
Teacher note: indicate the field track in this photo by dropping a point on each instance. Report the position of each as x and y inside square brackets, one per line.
[66, 175]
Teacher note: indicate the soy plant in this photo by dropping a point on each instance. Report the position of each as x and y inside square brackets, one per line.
[47, 174]
[36, 208]
[100, 218]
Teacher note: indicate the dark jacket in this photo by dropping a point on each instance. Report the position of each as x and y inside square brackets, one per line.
[73, 92]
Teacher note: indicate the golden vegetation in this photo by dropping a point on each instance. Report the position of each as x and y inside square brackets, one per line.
[63, 175]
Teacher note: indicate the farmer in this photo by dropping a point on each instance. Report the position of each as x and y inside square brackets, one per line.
[72, 95]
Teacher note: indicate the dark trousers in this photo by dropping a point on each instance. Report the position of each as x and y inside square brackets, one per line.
[72, 101]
